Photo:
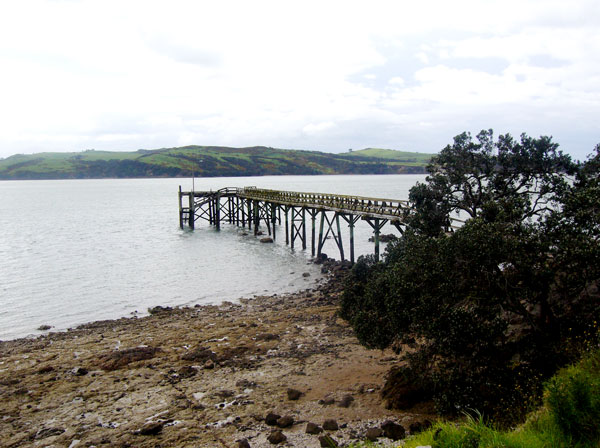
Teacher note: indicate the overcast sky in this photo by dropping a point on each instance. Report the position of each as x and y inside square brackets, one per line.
[322, 75]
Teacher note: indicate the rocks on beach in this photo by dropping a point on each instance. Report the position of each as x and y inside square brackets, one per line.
[281, 367]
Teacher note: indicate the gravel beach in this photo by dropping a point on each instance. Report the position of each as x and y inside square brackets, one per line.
[255, 373]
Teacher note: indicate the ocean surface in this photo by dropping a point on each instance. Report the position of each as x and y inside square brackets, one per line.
[76, 251]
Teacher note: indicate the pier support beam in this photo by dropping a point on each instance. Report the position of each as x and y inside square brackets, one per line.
[337, 235]
[376, 224]
[180, 210]
[273, 217]
[256, 216]
[192, 216]
[351, 220]
[218, 211]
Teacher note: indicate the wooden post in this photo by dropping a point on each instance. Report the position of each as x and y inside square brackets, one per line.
[351, 224]
[256, 216]
[192, 210]
[287, 227]
[273, 218]
[340, 242]
[304, 228]
[249, 214]
[218, 211]
[243, 213]
[320, 246]
[180, 210]
[376, 230]
[267, 216]
[293, 227]
[313, 216]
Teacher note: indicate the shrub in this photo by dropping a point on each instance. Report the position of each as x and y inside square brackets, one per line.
[574, 400]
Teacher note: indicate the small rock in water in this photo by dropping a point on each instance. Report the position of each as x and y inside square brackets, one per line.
[159, 309]
[266, 240]
[44, 327]
[306, 274]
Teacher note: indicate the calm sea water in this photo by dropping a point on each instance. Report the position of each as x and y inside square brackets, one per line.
[76, 251]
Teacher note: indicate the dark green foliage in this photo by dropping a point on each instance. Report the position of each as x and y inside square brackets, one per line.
[484, 312]
[498, 180]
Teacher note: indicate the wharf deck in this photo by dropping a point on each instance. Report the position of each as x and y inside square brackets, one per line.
[251, 206]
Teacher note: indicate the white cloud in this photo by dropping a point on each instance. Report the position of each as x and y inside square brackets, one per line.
[318, 75]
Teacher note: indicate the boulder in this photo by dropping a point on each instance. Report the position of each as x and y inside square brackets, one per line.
[276, 437]
[293, 394]
[313, 428]
[118, 359]
[271, 418]
[346, 401]
[373, 434]
[151, 428]
[393, 430]
[330, 425]
[327, 441]
[285, 422]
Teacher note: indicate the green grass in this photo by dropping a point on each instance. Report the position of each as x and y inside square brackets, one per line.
[414, 158]
[208, 161]
[570, 417]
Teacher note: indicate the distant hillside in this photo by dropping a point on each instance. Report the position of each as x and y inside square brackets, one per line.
[207, 161]
[407, 158]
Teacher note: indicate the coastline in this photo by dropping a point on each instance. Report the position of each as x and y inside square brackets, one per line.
[205, 376]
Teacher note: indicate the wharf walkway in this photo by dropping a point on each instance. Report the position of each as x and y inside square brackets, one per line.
[251, 206]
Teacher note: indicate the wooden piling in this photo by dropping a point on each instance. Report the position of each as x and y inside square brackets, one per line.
[304, 228]
[339, 236]
[192, 216]
[320, 246]
[180, 210]
[287, 227]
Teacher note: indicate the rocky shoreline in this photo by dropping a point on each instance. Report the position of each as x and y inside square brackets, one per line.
[268, 371]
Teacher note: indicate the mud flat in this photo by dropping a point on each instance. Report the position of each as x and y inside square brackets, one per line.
[207, 376]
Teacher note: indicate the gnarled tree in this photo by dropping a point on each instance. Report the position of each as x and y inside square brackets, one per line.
[486, 310]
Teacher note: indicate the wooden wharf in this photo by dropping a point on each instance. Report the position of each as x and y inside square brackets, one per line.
[251, 206]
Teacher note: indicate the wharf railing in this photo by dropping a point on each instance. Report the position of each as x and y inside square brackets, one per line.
[251, 206]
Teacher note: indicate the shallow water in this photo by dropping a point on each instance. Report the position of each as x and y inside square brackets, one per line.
[74, 251]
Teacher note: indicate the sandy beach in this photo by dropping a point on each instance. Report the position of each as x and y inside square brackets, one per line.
[204, 376]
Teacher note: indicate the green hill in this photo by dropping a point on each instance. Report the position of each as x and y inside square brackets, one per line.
[207, 161]
[408, 158]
